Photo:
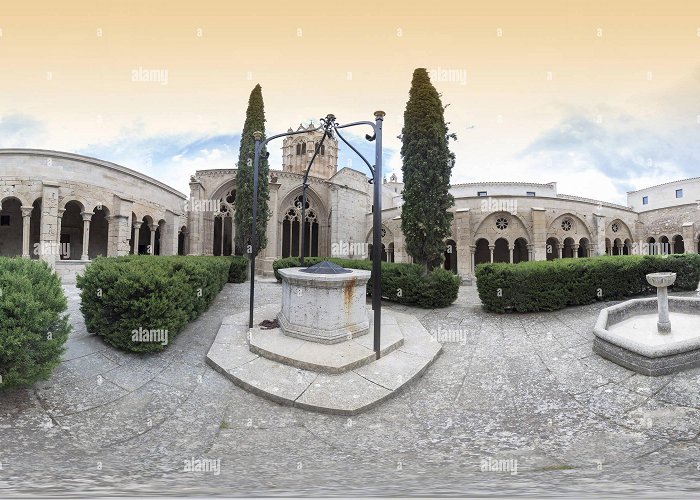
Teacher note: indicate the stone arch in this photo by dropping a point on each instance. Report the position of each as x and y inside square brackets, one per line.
[664, 245]
[579, 228]
[23, 200]
[501, 251]
[98, 243]
[11, 226]
[521, 252]
[623, 231]
[145, 235]
[553, 245]
[627, 246]
[517, 227]
[482, 252]
[182, 234]
[81, 202]
[678, 244]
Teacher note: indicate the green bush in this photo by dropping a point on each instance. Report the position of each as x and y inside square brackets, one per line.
[150, 296]
[402, 283]
[238, 272]
[552, 285]
[33, 321]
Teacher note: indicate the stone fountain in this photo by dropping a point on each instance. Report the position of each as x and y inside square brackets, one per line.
[652, 336]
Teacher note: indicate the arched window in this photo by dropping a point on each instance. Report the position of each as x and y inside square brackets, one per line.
[291, 230]
[298, 149]
[303, 148]
[323, 149]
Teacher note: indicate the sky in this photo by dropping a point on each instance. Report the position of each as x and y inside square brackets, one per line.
[600, 97]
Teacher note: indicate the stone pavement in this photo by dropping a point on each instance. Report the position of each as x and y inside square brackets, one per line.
[516, 404]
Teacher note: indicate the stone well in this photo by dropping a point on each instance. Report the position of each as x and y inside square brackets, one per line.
[326, 306]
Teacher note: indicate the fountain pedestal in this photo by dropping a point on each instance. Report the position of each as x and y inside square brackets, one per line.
[662, 281]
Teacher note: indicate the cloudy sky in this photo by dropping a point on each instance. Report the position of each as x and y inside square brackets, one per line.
[601, 97]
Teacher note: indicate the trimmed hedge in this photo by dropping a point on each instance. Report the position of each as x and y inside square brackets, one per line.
[401, 282]
[553, 285]
[140, 303]
[33, 321]
[238, 272]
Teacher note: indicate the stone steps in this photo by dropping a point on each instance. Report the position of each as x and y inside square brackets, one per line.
[352, 391]
[67, 270]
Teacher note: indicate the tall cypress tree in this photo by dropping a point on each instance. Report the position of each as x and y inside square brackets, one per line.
[427, 166]
[254, 121]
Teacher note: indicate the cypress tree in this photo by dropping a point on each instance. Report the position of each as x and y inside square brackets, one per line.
[427, 166]
[254, 121]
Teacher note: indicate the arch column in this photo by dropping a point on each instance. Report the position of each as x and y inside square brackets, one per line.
[152, 246]
[87, 216]
[26, 220]
[491, 249]
[59, 223]
[510, 249]
[575, 248]
[530, 251]
[135, 237]
[233, 236]
[472, 252]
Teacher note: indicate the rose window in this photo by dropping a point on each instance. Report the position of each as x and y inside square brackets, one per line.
[615, 227]
[501, 223]
[567, 224]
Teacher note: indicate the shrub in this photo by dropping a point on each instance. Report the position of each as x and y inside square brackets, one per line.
[552, 285]
[238, 272]
[401, 282]
[33, 323]
[150, 296]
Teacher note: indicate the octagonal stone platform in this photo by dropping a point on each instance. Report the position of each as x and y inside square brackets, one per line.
[306, 375]
[626, 334]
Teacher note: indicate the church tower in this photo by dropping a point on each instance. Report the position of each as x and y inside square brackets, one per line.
[297, 151]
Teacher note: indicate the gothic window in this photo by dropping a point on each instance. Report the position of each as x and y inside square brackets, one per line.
[303, 148]
[291, 230]
[502, 223]
[298, 149]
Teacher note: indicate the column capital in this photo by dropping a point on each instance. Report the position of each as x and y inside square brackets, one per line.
[26, 211]
[137, 225]
[153, 227]
[86, 216]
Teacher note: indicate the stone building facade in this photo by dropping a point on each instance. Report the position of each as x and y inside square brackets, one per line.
[70, 208]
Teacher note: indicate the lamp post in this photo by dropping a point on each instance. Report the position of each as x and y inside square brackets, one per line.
[330, 127]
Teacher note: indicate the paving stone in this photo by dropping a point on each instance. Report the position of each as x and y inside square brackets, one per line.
[276, 381]
[344, 394]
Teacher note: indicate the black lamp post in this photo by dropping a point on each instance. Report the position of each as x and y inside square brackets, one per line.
[330, 127]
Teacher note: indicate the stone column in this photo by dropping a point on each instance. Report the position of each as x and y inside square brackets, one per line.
[472, 251]
[26, 221]
[137, 226]
[49, 222]
[61, 211]
[689, 238]
[223, 232]
[87, 216]
[598, 235]
[575, 248]
[233, 235]
[560, 248]
[539, 233]
[491, 249]
[511, 248]
[152, 245]
[530, 252]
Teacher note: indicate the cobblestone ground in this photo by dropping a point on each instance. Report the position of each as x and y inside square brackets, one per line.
[507, 388]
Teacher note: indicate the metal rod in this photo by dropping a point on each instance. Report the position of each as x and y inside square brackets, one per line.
[377, 236]
[303, 196]
[254, 233]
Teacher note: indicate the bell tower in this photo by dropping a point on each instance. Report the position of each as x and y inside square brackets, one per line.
[297, 151]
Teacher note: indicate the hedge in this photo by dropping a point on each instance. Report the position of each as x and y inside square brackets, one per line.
[33, 321]
[553, 285]
[238, 272]
[401, 282]
[140, 303]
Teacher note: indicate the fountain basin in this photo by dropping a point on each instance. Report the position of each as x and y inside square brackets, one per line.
[627, 334]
